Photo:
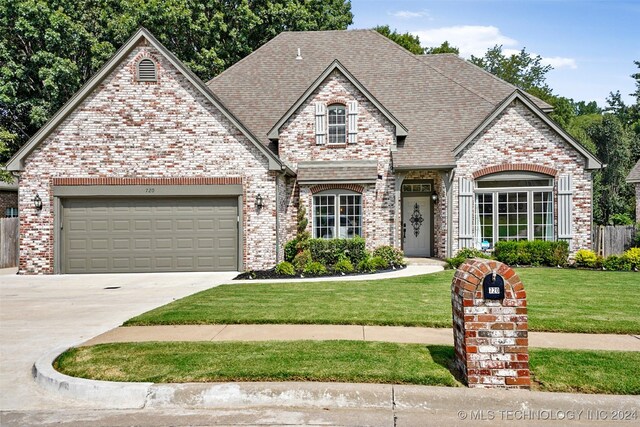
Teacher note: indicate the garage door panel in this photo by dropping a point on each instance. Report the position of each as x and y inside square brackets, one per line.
[153, 234]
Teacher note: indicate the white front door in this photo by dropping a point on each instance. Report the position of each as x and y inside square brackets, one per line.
[416, 226]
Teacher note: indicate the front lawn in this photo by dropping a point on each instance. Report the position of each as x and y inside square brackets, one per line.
[560, 300]
[340, 361]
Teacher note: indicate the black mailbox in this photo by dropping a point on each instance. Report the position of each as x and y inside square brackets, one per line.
[493, 286]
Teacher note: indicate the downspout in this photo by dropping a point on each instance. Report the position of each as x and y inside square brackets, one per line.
[278, 219]
[449, 190]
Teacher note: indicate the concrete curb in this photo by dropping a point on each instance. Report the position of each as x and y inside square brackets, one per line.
[463, 401]
[107, 394]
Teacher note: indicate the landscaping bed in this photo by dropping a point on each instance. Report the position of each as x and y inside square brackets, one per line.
[273, 274]
[340, 361]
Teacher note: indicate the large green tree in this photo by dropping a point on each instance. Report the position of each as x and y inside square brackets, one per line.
[406, 40]
[445, 47]
[49, 48]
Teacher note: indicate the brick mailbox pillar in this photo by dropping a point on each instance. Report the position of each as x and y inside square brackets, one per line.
[490, 325]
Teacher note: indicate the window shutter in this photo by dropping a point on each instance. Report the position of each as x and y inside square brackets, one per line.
[465, 213]
[565, 208]
[321, 123]
[352, 121]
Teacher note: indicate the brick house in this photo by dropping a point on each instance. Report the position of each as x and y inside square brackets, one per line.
[634, 178]
[147, 168]
[8, 199]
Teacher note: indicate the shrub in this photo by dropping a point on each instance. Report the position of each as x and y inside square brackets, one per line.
[586, 258]
[379, 263]
[616, 263]
[329, 251]
[463, 255]
[366, 266]
[290, 250]
[393, 256]
[301, 260]
[315, 268]
[534, 252]
[620, 219]
[632, 256]
[285, 268]
[343, 266]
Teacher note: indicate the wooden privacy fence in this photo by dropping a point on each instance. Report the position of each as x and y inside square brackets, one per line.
[612, 239]
[9, 242]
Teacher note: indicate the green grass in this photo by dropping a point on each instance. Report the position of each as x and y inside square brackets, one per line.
[560, 300]
[582, 371]
[341, 361]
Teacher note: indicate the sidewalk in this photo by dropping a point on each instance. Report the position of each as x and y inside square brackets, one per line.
[397, 334]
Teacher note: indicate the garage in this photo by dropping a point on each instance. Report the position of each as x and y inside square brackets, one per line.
[149, 234]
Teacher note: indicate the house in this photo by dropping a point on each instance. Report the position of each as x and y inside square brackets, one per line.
[634, 178]
[8, 199]
[147, 168]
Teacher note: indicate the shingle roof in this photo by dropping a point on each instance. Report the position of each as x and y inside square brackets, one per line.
[440, 100]
[364, 171]
[634, 175]
[9, 186]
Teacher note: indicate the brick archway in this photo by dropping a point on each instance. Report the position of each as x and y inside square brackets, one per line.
[322, 187]
[511, 167]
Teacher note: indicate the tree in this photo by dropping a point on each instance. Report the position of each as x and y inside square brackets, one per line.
[48, 49]
[445, 47]
[406, 40]
[522, 70]
[612, 195]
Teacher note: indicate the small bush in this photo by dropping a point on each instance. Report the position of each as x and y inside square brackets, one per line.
[329, 251]
[315, 268]
[620, 219]
[285, 268]
[301, 260]
[290, 250]
[632, 256]
[586, 258]
[533, 252]
[379, 263]
[366, 266]
[463, 255]
[616, 263]
[393, 256]
[343, 266]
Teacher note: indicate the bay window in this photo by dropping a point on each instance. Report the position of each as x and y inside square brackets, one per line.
[513, 206]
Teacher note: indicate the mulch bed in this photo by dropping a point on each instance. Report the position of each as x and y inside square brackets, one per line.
[271, 274]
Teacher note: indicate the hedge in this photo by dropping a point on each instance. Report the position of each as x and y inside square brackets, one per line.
[532, 252]
[328, 251]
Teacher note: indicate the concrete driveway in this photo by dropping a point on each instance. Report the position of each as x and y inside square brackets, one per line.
[41, 313]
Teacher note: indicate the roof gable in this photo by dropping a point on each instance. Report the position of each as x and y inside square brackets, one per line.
[634, 174]
[401, 130]
[16, 163]
[592, 161]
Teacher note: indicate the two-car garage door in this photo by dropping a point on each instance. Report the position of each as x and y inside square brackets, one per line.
[113, 235]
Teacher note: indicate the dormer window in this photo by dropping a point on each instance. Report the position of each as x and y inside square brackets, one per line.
[337, 124]
[147, 71]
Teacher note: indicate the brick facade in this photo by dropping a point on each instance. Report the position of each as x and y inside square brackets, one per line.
[376, 136]
[128, 129]
[8, 199]
[518, 136]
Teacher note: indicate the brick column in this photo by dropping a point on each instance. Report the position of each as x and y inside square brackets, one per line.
[490, 336]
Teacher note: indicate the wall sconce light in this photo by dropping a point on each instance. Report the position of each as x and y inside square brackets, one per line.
[37, 202]
[434, 197]
[259, 202]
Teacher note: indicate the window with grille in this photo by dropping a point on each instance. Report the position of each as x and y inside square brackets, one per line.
[337, 215]
[147, 71]
[337, 124]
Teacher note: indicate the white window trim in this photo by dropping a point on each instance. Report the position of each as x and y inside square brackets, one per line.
[336, 195]
[345, 125]
[529, 191]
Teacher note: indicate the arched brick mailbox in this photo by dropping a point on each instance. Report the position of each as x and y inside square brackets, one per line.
[490, 325]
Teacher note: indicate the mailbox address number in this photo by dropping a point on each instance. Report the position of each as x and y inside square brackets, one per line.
[149, 190]
[493, 286]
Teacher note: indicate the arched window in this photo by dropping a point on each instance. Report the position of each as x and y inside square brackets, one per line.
[514, 206]
[337, 124]
[337, 213]
[147, 71]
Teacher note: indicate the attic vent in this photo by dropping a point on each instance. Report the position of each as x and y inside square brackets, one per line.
[147, 71]
[299, 56]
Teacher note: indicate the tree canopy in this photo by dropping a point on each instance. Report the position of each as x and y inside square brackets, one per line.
[49, 48]
[445, 47]
[406, 40]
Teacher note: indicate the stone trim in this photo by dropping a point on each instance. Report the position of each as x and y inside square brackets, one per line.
[149, 181]
[322, 187]
[509, 167]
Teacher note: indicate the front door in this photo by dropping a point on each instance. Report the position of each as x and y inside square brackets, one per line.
[416, 226]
